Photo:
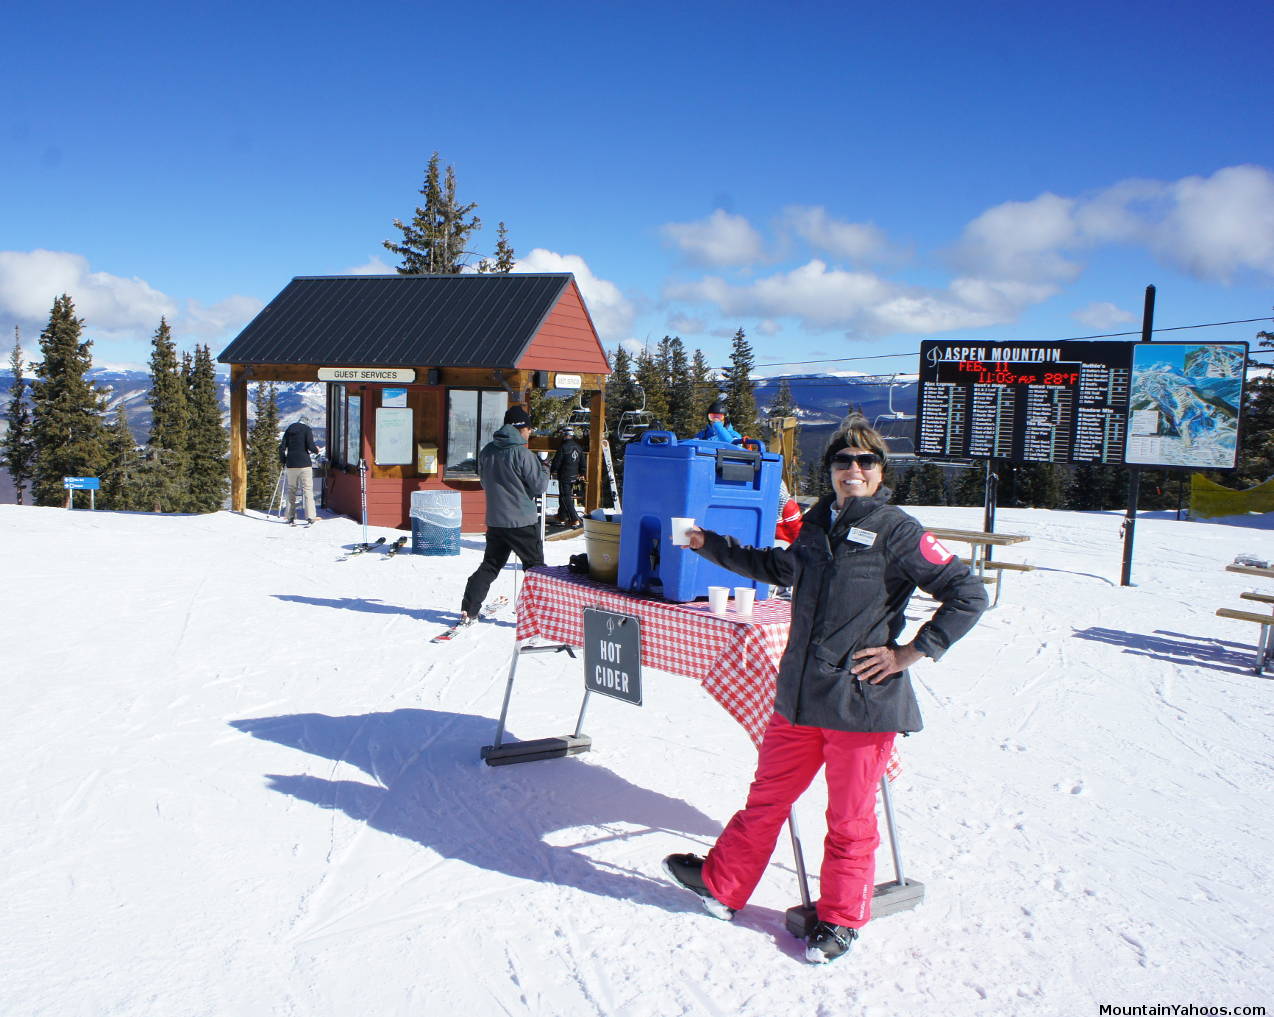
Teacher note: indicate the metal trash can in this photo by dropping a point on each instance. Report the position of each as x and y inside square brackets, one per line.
[435, 522]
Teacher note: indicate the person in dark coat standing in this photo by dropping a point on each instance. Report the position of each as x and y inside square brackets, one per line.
[294, 453]
[843, 687]
[512, 477]
[567, 464]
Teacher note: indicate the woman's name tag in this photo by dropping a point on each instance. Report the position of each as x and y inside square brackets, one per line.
[861, 536]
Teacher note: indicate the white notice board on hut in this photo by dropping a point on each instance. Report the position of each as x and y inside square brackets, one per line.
[393, 437]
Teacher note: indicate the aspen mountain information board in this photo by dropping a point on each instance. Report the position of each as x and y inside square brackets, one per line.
[1144, 404]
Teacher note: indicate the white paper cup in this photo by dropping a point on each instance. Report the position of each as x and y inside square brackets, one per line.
[680, 529]
[718, 598]
[743, 599]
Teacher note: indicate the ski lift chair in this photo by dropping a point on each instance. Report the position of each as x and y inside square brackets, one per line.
[580, 417]
[633, 423]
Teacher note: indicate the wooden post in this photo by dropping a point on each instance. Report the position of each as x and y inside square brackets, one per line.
[238, 438]
[596, 435]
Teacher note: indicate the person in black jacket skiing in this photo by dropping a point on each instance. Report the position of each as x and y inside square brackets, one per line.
[512, 478]
[843, 688]
[566, 466]
[294, 453]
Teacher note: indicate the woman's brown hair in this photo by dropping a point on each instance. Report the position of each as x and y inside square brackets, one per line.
[856, 433]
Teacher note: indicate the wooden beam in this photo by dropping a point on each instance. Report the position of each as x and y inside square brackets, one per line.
[238, 438]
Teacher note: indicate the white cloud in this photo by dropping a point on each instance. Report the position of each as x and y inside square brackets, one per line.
[1102, 315]
[1021, 240]
[611, 311]
[684, 324]
[224, 318]
[720, 239]
[1222, 225]
[822, 298]
[372, 266]
[114, 308]
[1213, 228]
[856, 242]
[31, 280]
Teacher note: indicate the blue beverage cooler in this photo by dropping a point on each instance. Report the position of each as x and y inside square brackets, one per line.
[726, 488]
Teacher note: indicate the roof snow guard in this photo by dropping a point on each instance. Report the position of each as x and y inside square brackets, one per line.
[475, 320]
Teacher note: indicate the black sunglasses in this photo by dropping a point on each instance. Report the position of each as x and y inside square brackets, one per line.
[863, 460]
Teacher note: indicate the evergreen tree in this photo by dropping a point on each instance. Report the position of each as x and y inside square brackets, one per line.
[1042, 485]
[740, 399]
[169, 427]
[650, 375]
[621, 390]
[970, 486]
[67, 434]
[784, 406]
[818, 481]
[707, 388]
[436, 239]
[1255, 462]
[1098, 487]
[120, 479]
[17, 451]
[263, 448]
[549, 413]
[928, 485]
[504, 257]
[208, 442]
[900, 484]
[681, 392]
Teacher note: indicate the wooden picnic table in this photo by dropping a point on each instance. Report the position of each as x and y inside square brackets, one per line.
[1250, 570]
[979, 541]
[1265, 643]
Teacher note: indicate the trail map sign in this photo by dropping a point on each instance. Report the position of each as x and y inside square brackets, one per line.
[1145, 404]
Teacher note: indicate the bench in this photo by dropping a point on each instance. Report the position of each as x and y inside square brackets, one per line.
[982, 566]
[1265, 644]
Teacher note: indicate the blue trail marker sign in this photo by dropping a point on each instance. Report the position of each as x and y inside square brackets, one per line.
[612, 655]
[90, 484]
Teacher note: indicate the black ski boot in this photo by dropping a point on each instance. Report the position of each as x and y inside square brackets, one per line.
[686, 871]
[827, 942]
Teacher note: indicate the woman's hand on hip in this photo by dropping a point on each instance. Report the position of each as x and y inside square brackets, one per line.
[877, 663]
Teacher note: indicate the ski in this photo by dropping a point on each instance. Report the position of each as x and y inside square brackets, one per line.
[362, 548]
[396, 546]
[447, 635]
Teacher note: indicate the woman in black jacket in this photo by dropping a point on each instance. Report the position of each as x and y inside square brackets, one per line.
[843, 688]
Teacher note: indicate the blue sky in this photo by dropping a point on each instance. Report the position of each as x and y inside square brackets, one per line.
[839, 180]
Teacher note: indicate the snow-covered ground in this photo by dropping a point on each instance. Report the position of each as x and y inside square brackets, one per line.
[239, 780]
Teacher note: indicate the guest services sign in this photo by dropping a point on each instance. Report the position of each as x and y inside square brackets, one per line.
[377, 375]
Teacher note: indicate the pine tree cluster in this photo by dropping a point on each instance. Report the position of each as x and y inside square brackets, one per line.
[181, 468]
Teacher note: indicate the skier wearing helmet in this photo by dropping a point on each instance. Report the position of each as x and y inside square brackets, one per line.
[567, 466]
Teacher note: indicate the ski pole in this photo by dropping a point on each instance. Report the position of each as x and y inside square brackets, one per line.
[801, 878]
[362, 490]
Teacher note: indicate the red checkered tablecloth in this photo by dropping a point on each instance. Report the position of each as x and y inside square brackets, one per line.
[735, 659]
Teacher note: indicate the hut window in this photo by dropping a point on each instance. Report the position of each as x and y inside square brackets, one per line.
[473, 417]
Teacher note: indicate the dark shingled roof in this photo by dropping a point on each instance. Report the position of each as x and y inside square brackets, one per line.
[477, 320]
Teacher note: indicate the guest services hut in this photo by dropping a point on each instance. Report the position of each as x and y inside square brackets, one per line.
[419, 371]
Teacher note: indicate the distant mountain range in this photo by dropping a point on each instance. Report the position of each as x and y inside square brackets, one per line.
[822, 401]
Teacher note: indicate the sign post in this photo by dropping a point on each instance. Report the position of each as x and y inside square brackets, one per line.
[90, 484]
[612, 667]
[1134, 474]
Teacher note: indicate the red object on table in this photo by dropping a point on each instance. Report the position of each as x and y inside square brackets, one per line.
[735, 659]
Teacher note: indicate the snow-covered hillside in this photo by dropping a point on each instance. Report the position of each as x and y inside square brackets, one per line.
[238, 779]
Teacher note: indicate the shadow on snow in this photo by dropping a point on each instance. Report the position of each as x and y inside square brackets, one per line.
[1178, 648]
[429, 785]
